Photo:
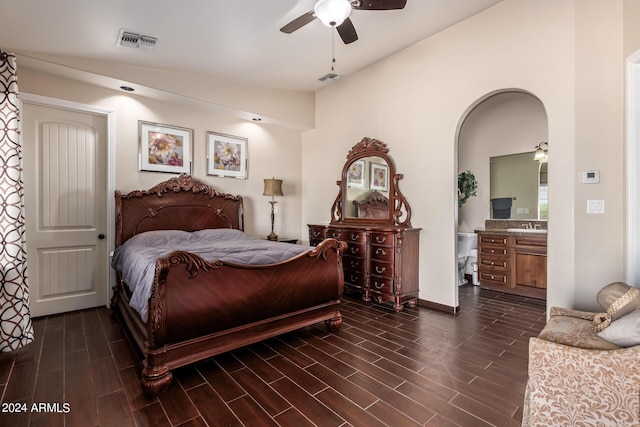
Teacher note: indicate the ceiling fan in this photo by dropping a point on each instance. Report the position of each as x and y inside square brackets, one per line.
[335, 13]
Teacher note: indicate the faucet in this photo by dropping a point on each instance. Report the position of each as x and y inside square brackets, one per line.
[526, 226]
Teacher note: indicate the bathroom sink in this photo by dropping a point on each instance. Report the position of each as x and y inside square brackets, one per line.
[527, 230]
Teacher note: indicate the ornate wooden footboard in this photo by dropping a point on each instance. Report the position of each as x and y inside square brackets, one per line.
[198, 309]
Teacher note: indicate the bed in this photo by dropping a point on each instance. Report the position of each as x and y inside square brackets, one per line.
[374, 206]
[197, 307]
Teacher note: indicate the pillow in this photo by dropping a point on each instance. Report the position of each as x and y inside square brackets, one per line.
[617, 299]
[625, 331]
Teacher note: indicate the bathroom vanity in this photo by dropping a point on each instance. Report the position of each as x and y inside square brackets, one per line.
[513, 259]
[373, 217]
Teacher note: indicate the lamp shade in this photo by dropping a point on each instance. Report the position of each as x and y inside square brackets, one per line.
[272, 187]
[541, 153]
[332, 12]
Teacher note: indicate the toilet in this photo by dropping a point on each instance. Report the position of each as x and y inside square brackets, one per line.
[467, 248]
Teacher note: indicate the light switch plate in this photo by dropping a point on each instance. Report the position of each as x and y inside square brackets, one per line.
[595, 206]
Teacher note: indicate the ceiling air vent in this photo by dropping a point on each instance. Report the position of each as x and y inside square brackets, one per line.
[330, 76]
[131, 39]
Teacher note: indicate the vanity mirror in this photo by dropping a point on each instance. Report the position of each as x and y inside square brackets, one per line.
[523, 180]
[373, 217]
[369, 188]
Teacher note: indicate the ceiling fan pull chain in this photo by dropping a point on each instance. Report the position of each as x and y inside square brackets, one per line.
[333, 48]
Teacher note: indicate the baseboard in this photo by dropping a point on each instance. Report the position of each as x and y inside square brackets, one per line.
[439, 307]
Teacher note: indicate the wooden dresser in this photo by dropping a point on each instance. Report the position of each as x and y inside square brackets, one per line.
[372, 216]
[380, 263]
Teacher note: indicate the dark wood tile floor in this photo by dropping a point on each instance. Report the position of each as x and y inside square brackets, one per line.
[419, 367]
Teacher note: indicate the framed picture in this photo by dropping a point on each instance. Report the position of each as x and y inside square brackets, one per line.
[355, 174]
[164, 148]
[226, 155]
[379, 177]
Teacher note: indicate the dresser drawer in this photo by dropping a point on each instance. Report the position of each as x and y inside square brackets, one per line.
[353, 263]
[382, 268]
[493, 250]
[383, 253]
[354, 278]
[355, 250]
[335, 234]
[500, 278]
[492, 239]
[493, 262]
[354, 236]
[385, 239]
[381, 284]
[316, 234]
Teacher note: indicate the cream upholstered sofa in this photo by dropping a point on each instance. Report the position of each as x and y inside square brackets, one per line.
[579, 378]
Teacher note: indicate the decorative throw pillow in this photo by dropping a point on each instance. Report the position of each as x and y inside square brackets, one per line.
[617, 299]
[625, 331]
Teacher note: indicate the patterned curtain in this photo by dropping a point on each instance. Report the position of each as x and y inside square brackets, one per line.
[15, 322]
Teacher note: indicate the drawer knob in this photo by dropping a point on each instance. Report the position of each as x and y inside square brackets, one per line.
[355, 250]
[380, 270]
[380, 251]
[381, 240]
[354, 263]
[378, 285]
[355, 236]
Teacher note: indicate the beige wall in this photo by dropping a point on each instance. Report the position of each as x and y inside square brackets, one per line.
[272, 150]
[566, 53]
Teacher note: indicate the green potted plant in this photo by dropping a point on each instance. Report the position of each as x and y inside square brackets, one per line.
[467, 186]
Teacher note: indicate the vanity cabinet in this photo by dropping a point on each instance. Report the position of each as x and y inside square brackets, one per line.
[529, 266]
[513, 262]
[493, 259]
[380, 263]
[372, 216]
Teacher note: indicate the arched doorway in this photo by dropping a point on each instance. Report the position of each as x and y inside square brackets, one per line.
[504, 125]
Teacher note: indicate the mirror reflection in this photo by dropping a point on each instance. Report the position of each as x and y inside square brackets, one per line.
[367, 188]
[518, 187]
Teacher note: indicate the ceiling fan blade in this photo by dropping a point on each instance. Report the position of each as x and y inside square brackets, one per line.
[380, 4]
[298, 23]
[347, 31]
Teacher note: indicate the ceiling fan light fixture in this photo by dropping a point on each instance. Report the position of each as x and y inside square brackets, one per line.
[332, 12]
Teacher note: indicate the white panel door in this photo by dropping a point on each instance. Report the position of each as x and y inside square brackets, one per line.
[65, 170]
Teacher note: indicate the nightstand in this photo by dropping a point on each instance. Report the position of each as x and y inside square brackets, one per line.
[287, 240]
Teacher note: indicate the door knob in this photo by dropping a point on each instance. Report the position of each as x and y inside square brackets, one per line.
[101, 236]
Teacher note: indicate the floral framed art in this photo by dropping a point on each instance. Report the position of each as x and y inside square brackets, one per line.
[164, 148]
[355, 174]
[379, 177]
[226, 155]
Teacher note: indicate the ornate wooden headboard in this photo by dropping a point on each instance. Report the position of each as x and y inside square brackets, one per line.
[181, 203]
[374, 206]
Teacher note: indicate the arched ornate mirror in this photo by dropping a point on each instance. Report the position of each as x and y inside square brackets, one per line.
[369, 190]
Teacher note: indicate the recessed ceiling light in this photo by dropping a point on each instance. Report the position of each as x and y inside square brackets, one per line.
[127, 88]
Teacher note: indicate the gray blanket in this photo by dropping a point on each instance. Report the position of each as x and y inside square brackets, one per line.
[136, 258]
